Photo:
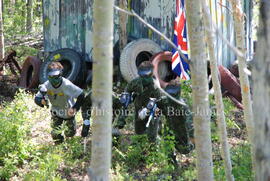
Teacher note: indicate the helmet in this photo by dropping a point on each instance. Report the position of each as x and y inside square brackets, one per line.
[55, 72]
[145, 69]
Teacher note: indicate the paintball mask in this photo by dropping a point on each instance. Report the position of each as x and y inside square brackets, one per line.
[145, 69]
[173, 90]
[55, 77]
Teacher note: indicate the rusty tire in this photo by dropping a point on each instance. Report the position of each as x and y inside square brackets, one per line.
[162, 68]
[209, 76]
[230, 83]
[234, 69]
[30, 73]
[236, 103]
[135, 53]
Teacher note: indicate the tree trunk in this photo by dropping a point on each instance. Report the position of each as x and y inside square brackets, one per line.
[102, 90]
[200, 97]
[123, 25]
[218, 95]
[261, 96]
[29, 15]
[239, 21]
[2, 44]
[23, 12]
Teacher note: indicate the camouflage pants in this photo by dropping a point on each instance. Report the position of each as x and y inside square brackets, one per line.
[86, 107]
[117, 107]
[182, 129]
[56, 128]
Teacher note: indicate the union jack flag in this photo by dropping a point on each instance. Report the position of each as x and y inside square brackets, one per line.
[179, 66]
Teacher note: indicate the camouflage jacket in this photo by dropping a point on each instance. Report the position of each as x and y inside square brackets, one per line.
[143, 87]
[179, 118]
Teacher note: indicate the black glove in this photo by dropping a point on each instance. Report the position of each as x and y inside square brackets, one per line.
[85, 128]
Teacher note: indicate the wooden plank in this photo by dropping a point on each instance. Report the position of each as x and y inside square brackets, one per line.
[88, 30]
[72, 25]
[51, 25]
[167, 14]
[231, 35]
[219, 26]
[223, 21]
[159, 13]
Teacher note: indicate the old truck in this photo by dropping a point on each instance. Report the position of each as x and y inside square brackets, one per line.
[67, 30]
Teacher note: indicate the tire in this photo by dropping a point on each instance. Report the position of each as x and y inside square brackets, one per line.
[209, 76]
[235, 102]
[135, 53]
[72, 63]
[162, 68]
[230, 83]
[234, 69]
[30, 73]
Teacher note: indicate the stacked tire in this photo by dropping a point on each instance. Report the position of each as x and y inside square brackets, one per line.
[162, 68]
[134, 54]
[74, 69]
[30, 73]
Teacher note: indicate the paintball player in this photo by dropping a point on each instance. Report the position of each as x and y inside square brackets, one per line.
[87, 105]
[61, 94]
[86, 114]
[179, 119]
[143, 87]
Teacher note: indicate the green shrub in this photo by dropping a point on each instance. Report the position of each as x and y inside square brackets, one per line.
[46, 168]
[13, 135]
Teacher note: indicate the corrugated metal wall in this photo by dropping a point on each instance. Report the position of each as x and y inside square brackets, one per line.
[221, 13]
[68, 24]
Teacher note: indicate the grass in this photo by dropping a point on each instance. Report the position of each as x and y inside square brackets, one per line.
[27, 151]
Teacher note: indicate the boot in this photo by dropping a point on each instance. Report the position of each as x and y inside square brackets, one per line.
[85, 128]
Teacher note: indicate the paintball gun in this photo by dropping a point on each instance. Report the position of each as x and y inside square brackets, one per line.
[150, 110]
[43, 91]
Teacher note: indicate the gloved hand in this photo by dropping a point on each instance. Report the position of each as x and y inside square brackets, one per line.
[143, 113]
[45, 102]
[85, 128]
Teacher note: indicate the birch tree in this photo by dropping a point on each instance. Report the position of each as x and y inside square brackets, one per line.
[29, 19]
[2, 44]
[102, 90]
[261, 95]
[239, 20]
[200, 100]
[217, 91]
